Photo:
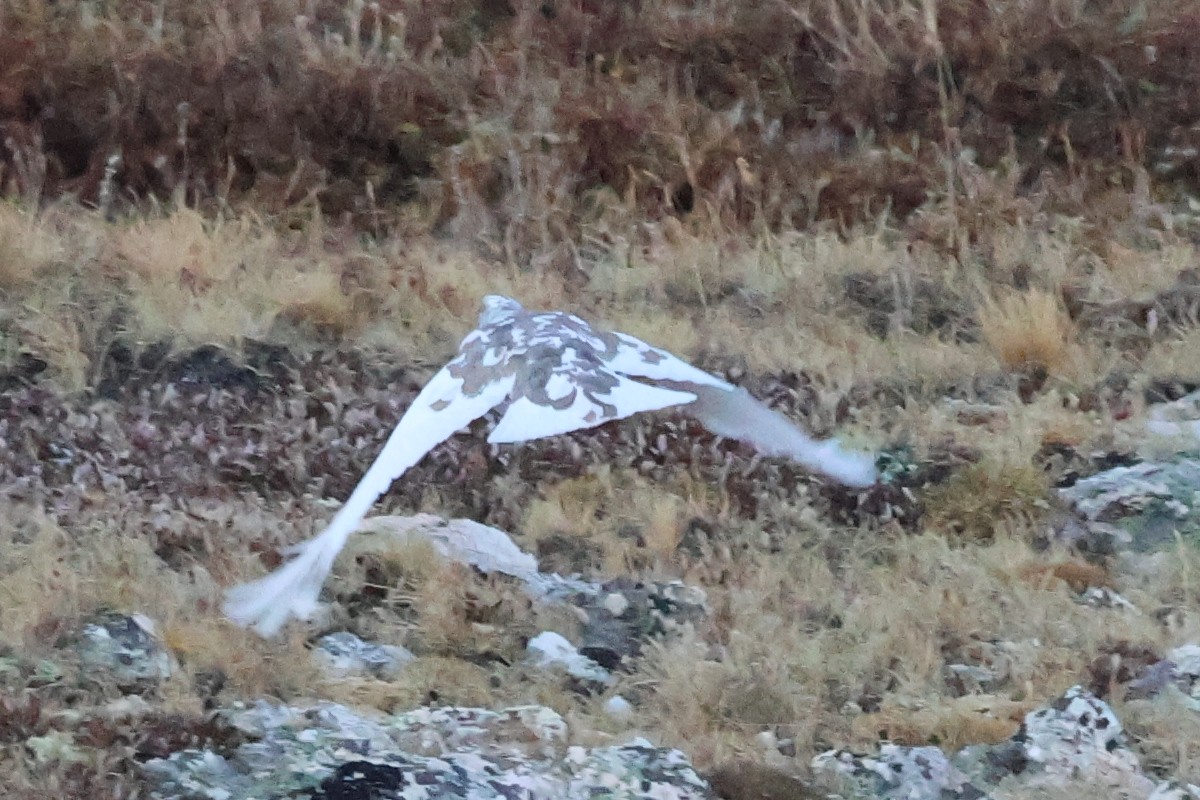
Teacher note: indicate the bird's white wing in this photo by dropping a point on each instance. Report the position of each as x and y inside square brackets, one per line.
[439, 410]
[635, 358]
[732, 412]
[573, 406]
[738, 415]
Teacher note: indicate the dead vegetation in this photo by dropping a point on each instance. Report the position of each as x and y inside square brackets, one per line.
[237, 236]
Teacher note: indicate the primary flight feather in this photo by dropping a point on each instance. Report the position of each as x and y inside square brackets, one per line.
[557, 374]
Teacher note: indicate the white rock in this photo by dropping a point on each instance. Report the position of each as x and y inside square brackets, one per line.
[616, 604]
[618, 708]
[552, 649]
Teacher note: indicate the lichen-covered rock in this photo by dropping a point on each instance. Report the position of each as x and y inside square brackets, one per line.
[899, 773]
[330, 751]
[634, 770]
[619, 615]
[1143, 507]
[126, 647]
[1077, 734]
[1073, 742]
[343, 654]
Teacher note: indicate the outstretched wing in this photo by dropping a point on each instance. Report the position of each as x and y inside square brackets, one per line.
[577, 399]
[440, 409]
[438, 412]
[637, 359]
[734, 413]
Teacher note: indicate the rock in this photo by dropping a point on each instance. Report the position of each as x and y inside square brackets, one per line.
[330, 751]
[971, 679]
[1171, 790]
[1187, 661]
[646, 611]
[1077, 734]
[1177, 422]
[56, 747]
[126, 647]
[1103, 597]
[343, 654]
[1142, 507]
[619, 615]
[1152, 680]
[550, 649]
[1179, 670]
[618, 708]
[898, 773]
[1076, 741]
[630, 771]
[466, 541]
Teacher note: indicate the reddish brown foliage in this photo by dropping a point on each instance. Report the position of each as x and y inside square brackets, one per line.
[836, 112]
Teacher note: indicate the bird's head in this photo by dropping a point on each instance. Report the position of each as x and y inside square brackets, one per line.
[497, 309]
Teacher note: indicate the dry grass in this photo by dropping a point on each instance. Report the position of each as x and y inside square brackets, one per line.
[987, 499]
[27, 248]
[879, 206]
[1030, 330]
[620, 521]
[813, 619]
[801, 646]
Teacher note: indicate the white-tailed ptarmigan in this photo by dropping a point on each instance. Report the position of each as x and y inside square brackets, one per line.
[557, 374]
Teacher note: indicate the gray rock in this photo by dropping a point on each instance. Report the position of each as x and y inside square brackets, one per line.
[1180, 670]
[1177, 422]
[343, 654]
[622, 614]
[1103, 597]
[619, 615]
[466, 541]
[126, 647]
[1143, 507]
[898, 773]
[618, 708]
[331, 751]
[1173, 790]
[1073, 742]
[1152, 680]
[1076, 733]
[1187, 661]
[971, 679]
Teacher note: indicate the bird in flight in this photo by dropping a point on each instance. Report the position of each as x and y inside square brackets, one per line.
[557, 374]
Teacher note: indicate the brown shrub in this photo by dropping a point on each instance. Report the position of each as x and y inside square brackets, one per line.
[748, 113]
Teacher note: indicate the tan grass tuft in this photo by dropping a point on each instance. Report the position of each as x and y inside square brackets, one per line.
[987, 498]
[952, 726]
[27, 247]
[629, 523]
[1028, 330]
[1078, 576]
